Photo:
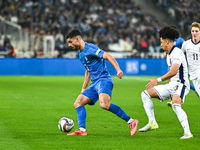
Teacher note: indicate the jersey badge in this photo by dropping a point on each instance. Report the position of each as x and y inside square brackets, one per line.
[86, 59]
[97, 52]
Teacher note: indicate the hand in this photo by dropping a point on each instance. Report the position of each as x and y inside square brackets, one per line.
[120, 74]
[152, 83]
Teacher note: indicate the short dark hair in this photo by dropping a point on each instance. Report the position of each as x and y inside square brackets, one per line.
[169, 32]
[73, 33]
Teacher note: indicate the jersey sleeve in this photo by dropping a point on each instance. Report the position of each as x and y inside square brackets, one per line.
[177, 58]
[183, 48]
[96, 51]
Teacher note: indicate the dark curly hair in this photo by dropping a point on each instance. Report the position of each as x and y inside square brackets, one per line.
[169, 32]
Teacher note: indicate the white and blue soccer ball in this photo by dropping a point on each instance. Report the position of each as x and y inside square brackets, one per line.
[65, 124]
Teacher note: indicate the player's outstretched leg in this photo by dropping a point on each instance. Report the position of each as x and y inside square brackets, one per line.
[120, 113]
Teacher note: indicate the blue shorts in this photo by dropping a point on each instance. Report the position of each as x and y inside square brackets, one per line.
[102, 85]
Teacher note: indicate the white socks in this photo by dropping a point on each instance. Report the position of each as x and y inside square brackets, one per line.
[148, 106]
[182, 117]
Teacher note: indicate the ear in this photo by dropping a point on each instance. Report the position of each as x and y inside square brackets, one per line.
[77, 38]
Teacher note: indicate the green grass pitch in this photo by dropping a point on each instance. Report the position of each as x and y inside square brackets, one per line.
[31, 106]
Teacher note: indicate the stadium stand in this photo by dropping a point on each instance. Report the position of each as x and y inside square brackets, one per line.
[119, 26]
[184, 11]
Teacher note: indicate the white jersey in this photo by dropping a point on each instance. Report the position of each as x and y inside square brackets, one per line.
[192, 51]
[177, 57]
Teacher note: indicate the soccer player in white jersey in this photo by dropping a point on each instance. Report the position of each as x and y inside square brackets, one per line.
[192, 49]
[176, 89]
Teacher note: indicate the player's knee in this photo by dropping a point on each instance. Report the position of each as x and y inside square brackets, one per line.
[78, 103]
[104, 105]
[175, 106]
[142, 94]
[145, 95]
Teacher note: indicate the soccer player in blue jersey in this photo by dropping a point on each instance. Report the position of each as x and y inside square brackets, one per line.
[93, 59]
[179, 42]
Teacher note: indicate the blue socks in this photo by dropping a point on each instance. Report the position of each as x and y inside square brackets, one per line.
[192, 86]
[119, 112]
[81, 116]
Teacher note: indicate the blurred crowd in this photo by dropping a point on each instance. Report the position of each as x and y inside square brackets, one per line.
[6, 47]
[184, 11]
[115, 25]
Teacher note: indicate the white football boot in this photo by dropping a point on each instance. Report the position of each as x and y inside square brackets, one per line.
[149, 126]
[187, 136]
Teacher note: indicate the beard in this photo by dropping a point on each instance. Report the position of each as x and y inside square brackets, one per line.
[76, 47]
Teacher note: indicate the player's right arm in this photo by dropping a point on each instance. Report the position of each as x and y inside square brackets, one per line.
[167, 76]
[115, 64]
[86, 81]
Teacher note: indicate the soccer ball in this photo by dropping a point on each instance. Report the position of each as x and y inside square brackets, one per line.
[65, 124]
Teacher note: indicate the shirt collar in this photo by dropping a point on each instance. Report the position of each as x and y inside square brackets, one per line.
[171, 49]
[194, 43]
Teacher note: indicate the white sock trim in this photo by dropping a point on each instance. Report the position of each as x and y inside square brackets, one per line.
[82, 129]
[145, 92]
[130, 120]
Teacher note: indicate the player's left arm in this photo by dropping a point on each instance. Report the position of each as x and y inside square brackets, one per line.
[113, 61]
[167, 76]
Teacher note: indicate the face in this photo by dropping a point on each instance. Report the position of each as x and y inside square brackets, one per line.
[163, 44]
[195, 33]
[74, 43]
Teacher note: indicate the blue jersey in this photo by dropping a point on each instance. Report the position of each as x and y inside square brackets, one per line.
[179, 42]
[91, 58]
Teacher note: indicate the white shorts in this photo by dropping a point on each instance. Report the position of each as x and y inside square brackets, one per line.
[196, 83]
[166, 91]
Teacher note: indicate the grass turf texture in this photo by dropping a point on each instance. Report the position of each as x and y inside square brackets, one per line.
[30, 108]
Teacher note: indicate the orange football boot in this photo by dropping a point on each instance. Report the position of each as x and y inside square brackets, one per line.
[77, 132]
[133, 127]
